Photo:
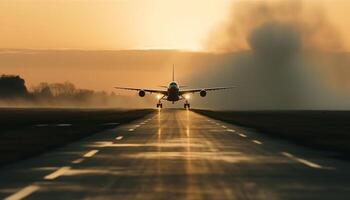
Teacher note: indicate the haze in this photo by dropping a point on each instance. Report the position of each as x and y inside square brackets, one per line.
[98, 44]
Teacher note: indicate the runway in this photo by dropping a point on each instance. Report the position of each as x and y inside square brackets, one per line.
[178, 154]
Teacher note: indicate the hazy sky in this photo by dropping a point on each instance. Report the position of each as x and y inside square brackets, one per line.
[108, 24]
[97, 25]
[122, 24]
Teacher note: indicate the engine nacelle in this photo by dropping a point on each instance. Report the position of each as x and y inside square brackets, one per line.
[142, 93]
[203, 93]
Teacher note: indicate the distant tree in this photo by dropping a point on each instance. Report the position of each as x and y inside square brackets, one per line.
[12, 86]
[43, 90]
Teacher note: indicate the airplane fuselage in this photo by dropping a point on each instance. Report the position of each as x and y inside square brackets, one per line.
[173, 92]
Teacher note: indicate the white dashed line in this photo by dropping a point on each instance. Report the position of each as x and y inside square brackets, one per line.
[90, 153]
[242, 135]
[137, 125]
[57, 173]
[256, 141]
[231, 130]
[223, 126]
[130, 130]
[63, 125]
[303, 161]
[23, 193]
[77, 161]
[119, 138]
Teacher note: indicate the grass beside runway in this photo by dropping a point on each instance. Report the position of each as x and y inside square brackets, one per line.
[28, 132]
[325, 130]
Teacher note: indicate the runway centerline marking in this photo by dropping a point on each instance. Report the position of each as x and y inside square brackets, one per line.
[119, 138]
[256, 141]
[23, 193]
[242, 135]
[77, 161]
[231, 130]
[57, 173]
[130, 130]
[90, 153]
[303, 161]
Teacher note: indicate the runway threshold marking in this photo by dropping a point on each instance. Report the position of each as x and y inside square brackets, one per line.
[303, 161]
[231, 130]
[242, 135]
[256, 141]
[119, 138]
[77, 161]
[57, 173]
[23, 193]
[90, 153]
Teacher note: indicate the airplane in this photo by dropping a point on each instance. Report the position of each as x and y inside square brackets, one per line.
[174, 92]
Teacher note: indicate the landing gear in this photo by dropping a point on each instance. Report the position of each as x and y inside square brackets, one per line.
[159, 104]
[187, 105]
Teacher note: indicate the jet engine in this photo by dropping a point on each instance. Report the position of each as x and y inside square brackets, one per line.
[203, 93]
[142, 93]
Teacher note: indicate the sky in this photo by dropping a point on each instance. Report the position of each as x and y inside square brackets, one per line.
[108, 24]
[123, 24]
[84, 41]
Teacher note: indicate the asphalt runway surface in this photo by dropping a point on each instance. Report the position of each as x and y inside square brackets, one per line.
[178, 154]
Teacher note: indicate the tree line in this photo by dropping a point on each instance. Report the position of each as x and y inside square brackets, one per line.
[13, 87]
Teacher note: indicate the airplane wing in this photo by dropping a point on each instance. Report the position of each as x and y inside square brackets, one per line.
[182, 92]
[141, 89]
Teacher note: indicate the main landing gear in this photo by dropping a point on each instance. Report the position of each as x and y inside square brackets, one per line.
[159, 105]
[187, 105]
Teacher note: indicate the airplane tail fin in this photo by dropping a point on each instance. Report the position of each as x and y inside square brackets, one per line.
[173, 72]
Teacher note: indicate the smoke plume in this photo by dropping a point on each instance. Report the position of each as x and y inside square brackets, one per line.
[270, 48]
